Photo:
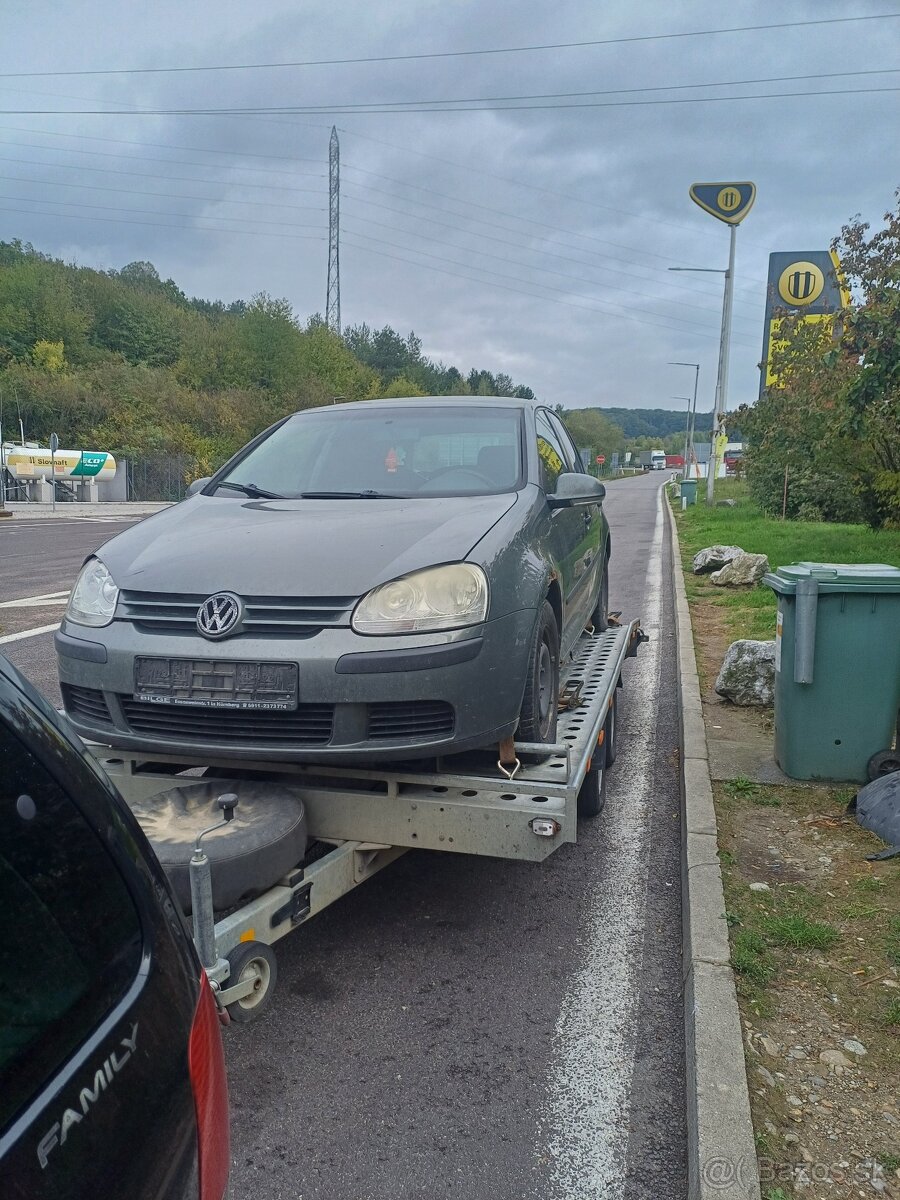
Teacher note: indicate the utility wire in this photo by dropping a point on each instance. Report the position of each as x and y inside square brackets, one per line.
[155, 212]
[297, 237]
[345, 110]
[382, 58]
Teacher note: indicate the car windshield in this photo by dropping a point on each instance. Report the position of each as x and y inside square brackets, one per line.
[371, 453]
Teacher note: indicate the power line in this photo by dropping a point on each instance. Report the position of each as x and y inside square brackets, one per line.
[382, 58]
[154, 212]
[136, 191]
[709, 336]
[345, 110]
[30, 212]
[144, 174]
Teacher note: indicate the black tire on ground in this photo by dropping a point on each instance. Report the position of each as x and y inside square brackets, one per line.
[537, 717]
[598, 616]
[885, 762]
[256, 961]
[611, 729]
[592, 796]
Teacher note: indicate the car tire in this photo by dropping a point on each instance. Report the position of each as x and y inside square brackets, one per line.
[598, 621]
[537, 717]
[252, 961]
[592, 794]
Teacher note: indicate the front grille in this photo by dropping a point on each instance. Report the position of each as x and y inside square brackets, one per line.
[308, 725]
[410, 719]
[86, 702]
[272, 616]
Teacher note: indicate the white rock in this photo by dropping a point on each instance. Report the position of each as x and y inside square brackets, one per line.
[766, 1076]
[760, 887]
[713, 558]
[743, 571]
[769, 1045]
[852, 1046]
[747, 676]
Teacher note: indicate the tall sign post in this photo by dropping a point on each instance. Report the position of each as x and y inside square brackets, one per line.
[728, 202]
[54, 446]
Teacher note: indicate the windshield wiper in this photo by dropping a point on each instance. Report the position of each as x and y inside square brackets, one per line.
[369, 495]
[251, 490]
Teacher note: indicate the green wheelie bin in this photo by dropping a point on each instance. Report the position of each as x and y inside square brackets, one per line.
[837, 667]
[688, 492]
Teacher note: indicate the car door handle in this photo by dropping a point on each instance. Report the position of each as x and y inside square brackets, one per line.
[588, 517]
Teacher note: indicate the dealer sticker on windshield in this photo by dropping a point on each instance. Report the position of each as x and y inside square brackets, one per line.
[202, 683]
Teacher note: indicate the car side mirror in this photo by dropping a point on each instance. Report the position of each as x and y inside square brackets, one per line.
[573, 488]
[198, 485]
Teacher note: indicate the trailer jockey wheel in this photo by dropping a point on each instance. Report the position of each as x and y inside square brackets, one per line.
[252, 961]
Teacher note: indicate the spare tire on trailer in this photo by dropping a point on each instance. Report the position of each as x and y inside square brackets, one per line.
[266, 839]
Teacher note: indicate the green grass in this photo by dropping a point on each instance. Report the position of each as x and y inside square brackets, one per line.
[890, 1162]
[741, 787]
[750, 612]
[750, 957]
[892, 941]
[796, 930]
[892, 1017]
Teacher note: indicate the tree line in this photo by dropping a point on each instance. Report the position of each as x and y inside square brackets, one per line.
[126, 361]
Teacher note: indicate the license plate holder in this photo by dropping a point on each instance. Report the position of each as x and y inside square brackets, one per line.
[209, 683]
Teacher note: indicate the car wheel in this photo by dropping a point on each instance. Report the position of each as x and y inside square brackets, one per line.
[252, 962]
[592, 795]
[537, 718]
[598, 619]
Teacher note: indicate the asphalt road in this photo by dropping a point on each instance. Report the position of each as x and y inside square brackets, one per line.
[472, 1028]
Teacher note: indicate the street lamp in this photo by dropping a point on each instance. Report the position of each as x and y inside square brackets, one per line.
[689, 430]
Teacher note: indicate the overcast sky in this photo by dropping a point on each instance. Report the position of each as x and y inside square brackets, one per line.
[533, 242]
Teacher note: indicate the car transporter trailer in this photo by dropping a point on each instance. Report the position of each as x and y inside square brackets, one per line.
[361, 819]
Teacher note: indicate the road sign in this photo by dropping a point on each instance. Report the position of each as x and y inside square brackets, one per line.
[54, 443]
[600, 459]
[807, 284]
[728, 202]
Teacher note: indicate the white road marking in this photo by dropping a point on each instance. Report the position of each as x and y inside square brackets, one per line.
[48, 599]
[27, 633]
[587, 1115]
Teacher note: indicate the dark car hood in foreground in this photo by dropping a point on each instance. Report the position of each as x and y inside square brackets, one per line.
[296, 547]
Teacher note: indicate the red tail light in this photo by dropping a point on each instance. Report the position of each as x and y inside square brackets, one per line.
[206, 1063]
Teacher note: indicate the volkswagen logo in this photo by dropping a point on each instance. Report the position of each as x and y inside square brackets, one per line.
[218, 616]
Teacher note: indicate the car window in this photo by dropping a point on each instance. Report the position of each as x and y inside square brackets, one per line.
[551, 452]
[404, 451]
[568, 443]
[71, 942]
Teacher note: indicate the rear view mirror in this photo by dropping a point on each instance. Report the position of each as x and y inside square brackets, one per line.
[574, 488]
[198, 485]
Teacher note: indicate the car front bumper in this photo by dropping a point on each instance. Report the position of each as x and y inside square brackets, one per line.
[359, 698]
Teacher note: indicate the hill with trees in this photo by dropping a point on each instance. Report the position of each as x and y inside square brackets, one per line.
[125, 361]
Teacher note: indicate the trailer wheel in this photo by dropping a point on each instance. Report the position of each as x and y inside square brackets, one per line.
[252, 961]
[592, 796]
[611, 728]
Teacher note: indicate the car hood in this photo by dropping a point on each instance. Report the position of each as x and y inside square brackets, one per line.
[296, 547]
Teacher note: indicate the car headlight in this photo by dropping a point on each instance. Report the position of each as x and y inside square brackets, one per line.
[94, 597]
[447, 597]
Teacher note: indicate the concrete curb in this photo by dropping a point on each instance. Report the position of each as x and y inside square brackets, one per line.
[721, 1148]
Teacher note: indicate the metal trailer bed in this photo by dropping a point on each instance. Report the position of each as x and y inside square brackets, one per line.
[370, 816]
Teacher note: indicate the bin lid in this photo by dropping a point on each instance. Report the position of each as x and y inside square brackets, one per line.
[835, 577]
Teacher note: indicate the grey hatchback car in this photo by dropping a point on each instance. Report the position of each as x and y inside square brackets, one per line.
[368, 581]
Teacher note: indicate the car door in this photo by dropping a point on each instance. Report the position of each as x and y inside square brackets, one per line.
[592, 517]
[568, 532]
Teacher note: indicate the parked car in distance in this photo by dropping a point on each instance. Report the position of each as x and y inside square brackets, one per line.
[112, 1076]
[378, 580]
